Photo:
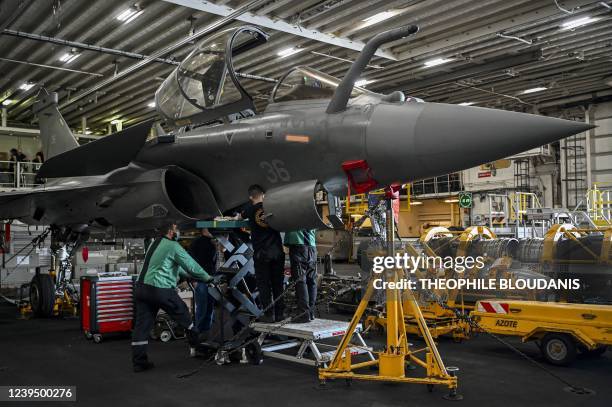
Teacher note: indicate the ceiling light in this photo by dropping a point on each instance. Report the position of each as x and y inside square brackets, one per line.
[451, 200]
[362, 82]
[115, 121]
[288, 51]
[6, 102]
[571, 24]
[152, 104]
[532, 90]
[68, 57]
[467, 103]
[377, 18]
[437, 61]
[129, 15]
[26, 86]
[416, 203]
[88, 132]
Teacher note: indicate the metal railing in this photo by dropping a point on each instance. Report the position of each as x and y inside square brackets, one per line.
[358, 204]
[599, 205]
[444, 185]
[512, 207]
[19, 174]
[520, 202]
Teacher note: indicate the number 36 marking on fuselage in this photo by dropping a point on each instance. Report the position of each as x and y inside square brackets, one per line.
[275, 171]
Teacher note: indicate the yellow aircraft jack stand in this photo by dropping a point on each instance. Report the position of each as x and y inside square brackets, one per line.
[393, 360]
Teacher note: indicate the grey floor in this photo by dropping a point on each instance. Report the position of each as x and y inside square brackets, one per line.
[54, 352]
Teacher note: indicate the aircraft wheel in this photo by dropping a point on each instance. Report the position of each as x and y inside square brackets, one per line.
[559, 349]
[42, 295]
[165, 336]
[254, 353]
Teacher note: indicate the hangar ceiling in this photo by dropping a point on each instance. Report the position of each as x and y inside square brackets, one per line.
[486, 52]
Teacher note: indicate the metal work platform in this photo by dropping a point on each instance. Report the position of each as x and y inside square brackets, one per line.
[222, 224]
[235, 302]
[305, 337]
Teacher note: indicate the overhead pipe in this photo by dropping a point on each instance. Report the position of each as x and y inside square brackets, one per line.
[106, 50]
[81, 45]
[578, 98]
[16, 61]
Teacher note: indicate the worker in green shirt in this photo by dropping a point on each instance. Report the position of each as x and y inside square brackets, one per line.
[165, 261]
[303, 258]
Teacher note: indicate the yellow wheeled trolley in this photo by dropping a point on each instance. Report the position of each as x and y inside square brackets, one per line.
[560, 328]
[392, 361]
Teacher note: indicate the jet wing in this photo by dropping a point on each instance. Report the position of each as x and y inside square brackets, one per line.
[23, 204]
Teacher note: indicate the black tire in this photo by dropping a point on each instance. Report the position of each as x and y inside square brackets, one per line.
[558, 349]
[236, 356]
[254, 353]
[165, 336]
[42, 295]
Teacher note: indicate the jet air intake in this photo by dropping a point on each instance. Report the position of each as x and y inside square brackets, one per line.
[155, 196]
[294, 206]
[137, 200]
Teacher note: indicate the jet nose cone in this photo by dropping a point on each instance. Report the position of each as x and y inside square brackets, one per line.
[493, 133]
[453, 137]
[421, 140]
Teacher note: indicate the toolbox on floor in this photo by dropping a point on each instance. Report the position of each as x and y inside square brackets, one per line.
[107, 304]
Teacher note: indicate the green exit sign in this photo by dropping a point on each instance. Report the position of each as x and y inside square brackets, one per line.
[465, 200]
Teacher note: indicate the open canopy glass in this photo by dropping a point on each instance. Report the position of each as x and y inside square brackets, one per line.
[204, 87]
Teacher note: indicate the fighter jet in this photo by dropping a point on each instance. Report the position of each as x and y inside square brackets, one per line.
[318, 135]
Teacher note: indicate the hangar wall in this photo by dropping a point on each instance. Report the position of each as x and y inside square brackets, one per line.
[601, 145]
[28, 145]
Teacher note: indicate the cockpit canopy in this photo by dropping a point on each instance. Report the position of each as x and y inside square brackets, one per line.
[205, 87]
[304, 83]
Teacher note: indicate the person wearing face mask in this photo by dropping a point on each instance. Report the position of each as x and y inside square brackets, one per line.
[165, 261]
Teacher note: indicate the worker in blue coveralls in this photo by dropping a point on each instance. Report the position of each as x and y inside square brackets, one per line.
[204, 250]
[303, 258]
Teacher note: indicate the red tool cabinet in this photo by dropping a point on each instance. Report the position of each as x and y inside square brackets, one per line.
[107, 305]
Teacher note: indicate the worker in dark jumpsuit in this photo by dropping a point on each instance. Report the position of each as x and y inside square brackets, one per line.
[204, 250]
[156, 288]
[269, 257]
[303, 258]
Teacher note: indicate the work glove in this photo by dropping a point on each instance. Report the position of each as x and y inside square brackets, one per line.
[215, 281]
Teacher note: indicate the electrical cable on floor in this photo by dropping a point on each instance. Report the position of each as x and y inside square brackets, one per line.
[474, 324]
[244, 329]
[10, 301]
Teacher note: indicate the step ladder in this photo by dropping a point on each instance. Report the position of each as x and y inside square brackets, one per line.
[307, 337]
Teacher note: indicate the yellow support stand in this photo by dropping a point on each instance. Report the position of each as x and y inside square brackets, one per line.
[392, 361]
